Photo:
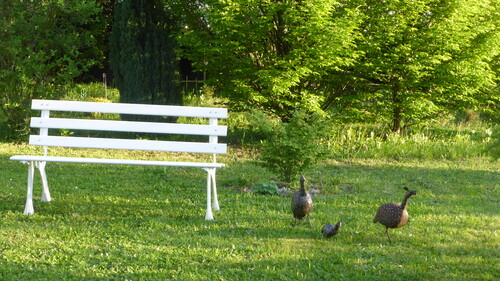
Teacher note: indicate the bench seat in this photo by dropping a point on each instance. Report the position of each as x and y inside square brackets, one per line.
[27, 158]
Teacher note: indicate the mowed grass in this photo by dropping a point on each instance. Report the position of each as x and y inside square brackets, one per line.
[111, 222]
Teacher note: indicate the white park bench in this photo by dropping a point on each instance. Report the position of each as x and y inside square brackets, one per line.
[47, 138]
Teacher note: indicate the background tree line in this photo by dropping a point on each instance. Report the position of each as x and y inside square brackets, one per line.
[396, 62]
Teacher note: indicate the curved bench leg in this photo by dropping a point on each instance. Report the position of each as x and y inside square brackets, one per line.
[215, 201]
[212, 201]
[28, 209]
[45, 186]
[209, 215]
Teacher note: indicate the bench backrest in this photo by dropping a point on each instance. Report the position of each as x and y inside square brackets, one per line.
[212, 130]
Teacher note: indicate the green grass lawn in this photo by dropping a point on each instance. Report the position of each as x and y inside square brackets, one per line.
[110, 222]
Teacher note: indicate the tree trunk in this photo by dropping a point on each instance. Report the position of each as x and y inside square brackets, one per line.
[396, 113]
[396, 120]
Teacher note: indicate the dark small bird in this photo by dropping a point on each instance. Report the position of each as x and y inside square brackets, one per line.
[302, 203]
[330, 230]
[393, 215]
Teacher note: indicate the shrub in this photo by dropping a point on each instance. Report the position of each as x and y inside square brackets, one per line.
[294, 146]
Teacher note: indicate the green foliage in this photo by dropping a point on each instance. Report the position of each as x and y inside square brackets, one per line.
[266, 188]
[446, 140]
[142, 54]
[420, 59]
[295, 145]
[399, 62]
[270, 55]
[43, 44]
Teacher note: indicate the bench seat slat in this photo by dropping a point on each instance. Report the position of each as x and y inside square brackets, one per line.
[128, 144]
[128, 126]
[114, 161]
[128, 108]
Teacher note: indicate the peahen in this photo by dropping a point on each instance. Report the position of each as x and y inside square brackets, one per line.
[330, 230]
[302, 203]
[393, 215]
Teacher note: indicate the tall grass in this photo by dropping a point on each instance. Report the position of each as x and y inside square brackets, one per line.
[446, 142]
[91, 92]
[371, 141]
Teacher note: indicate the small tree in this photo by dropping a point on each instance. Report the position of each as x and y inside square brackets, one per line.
[295, 145]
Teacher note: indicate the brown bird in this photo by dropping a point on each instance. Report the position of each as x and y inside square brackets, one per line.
[330, 230]
[393, 215]
[302, 203]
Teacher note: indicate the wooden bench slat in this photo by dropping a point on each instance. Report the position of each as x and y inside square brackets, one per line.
[114, 161]
[124, 108]
[128, 126]
[128, 144]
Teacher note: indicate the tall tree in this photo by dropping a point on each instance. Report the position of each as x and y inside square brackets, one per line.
[270, 54]
[420, 58]
[142, 53]
[43, 44]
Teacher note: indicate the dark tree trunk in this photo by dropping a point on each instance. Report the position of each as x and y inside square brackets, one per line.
[397, 115]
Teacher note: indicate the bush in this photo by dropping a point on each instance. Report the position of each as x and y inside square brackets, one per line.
[294, 146]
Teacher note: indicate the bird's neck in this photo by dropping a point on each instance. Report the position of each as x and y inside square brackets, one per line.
[303, 190]
[405, 202]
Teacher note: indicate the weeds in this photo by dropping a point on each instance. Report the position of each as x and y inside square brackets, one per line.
[364, 141]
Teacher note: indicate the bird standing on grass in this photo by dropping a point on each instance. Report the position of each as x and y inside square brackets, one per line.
[393, 215]
[302, 203]
[330, 230]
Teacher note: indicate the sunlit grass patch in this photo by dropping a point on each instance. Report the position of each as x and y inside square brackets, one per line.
[113, 222]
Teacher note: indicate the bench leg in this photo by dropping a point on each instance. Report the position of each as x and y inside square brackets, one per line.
[212, 202]
[215, 201]
[209, 215]
[45, 186]
[28, 210]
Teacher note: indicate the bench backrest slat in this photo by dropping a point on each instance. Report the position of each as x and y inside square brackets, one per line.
[128, 126]
[47, 124]
[124, 108]
[128, 144]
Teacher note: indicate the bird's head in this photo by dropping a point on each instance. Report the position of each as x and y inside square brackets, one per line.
[338, 224]
[302, 179]
[409, 192]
